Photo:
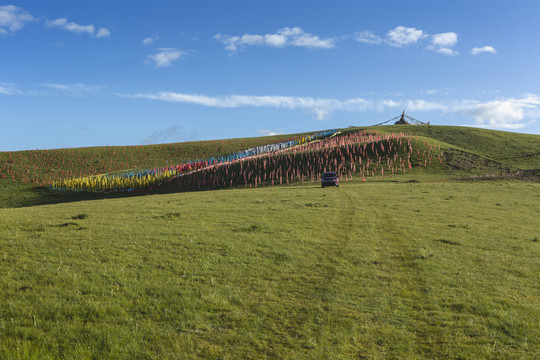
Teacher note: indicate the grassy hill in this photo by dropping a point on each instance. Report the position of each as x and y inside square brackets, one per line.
[512, 150]
[416, 266]
[468, 152]
[22, 172]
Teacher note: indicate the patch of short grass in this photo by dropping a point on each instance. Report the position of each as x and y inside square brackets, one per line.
[376, 270]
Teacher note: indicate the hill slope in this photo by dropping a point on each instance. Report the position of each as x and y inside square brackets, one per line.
[468, 151]
[514, 150]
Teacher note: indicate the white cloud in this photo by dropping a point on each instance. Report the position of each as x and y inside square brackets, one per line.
[13, 18]
[148, 41]
[443, 43]
[230, 42]
[248, 39]
[77, 28]
[276, 40]
[445, 40]
[388, 104]
[285, 37]
[49, 89]
[501, 113]
[401, 36]
[103, 32]
[447, 51]
[321, 107]
[321, 114]
[61, 22]
[73, 27]
[166, 56]
[71, 89]
[483, 49]
[367, 37]
[9, 89]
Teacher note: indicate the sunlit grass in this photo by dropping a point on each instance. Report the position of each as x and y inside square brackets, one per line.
[385, 269]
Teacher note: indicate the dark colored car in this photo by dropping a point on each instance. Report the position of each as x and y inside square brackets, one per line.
[330, 179]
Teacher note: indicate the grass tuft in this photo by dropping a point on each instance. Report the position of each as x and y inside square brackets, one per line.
[169, 216]
[67, 224]
[448, 242]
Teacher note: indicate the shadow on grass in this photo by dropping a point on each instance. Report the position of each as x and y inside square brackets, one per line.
[25, 197]
[20, 196]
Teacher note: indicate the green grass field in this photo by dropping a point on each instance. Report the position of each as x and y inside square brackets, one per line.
[418, 266]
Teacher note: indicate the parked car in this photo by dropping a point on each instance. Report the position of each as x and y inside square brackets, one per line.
[329, 179]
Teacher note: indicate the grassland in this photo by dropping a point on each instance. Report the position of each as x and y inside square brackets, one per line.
[418, 266]
[376, 270]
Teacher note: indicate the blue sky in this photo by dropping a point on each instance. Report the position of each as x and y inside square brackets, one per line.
[93, 73]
